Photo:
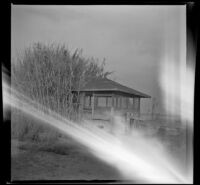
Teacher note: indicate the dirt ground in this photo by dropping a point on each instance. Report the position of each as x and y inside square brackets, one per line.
[67, 160]
[60, 161]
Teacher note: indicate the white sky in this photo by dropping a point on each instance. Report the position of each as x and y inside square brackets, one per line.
[132, 39]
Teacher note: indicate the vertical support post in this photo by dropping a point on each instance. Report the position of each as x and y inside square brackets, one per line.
[112, 114]
[90, 101]
[127, 116]
[112, 105]
[83, 100]
[81, 105]
[138, 107]
[106, 101]
[133, 104]
[127, 102]
[117, 101]
[93, 102]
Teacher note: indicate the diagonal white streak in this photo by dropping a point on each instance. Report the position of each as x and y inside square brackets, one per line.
[151, 166]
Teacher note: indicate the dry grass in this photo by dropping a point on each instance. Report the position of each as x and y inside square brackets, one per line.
[58, 161]
[24, 127]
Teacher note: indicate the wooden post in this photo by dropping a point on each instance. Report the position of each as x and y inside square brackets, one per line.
[81, 105]
[112, 109]
[132, 104]
[93, 102]
[117, 102]
[138, 107]
[135, 110]
[112, 116]
[120, 102]
[83, 100]
[90, 101]
[112, 104]
[127, 102]
[106, 101]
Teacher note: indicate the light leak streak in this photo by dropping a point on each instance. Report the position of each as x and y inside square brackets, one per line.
[139, 160]
[177, 83]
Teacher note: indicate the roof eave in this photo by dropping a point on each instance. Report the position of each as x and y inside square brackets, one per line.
[117, 90]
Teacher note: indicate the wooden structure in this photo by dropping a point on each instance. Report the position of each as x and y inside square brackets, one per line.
[100, 98]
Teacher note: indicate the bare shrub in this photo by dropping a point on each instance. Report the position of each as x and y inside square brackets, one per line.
[24, 127]
[49, 74]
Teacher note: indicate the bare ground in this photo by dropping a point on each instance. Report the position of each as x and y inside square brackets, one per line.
[58, 161]
[66, 159]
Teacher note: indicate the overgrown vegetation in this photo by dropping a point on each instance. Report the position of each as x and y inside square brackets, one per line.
[24, 127]
[48, 74]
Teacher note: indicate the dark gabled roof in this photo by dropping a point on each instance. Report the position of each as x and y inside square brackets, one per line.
[110, 85]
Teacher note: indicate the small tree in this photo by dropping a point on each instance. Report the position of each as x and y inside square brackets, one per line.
[49, 73]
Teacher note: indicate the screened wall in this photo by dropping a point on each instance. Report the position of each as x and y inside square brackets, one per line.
[118, 102]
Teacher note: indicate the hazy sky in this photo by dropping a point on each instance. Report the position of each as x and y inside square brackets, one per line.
[132, 39]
